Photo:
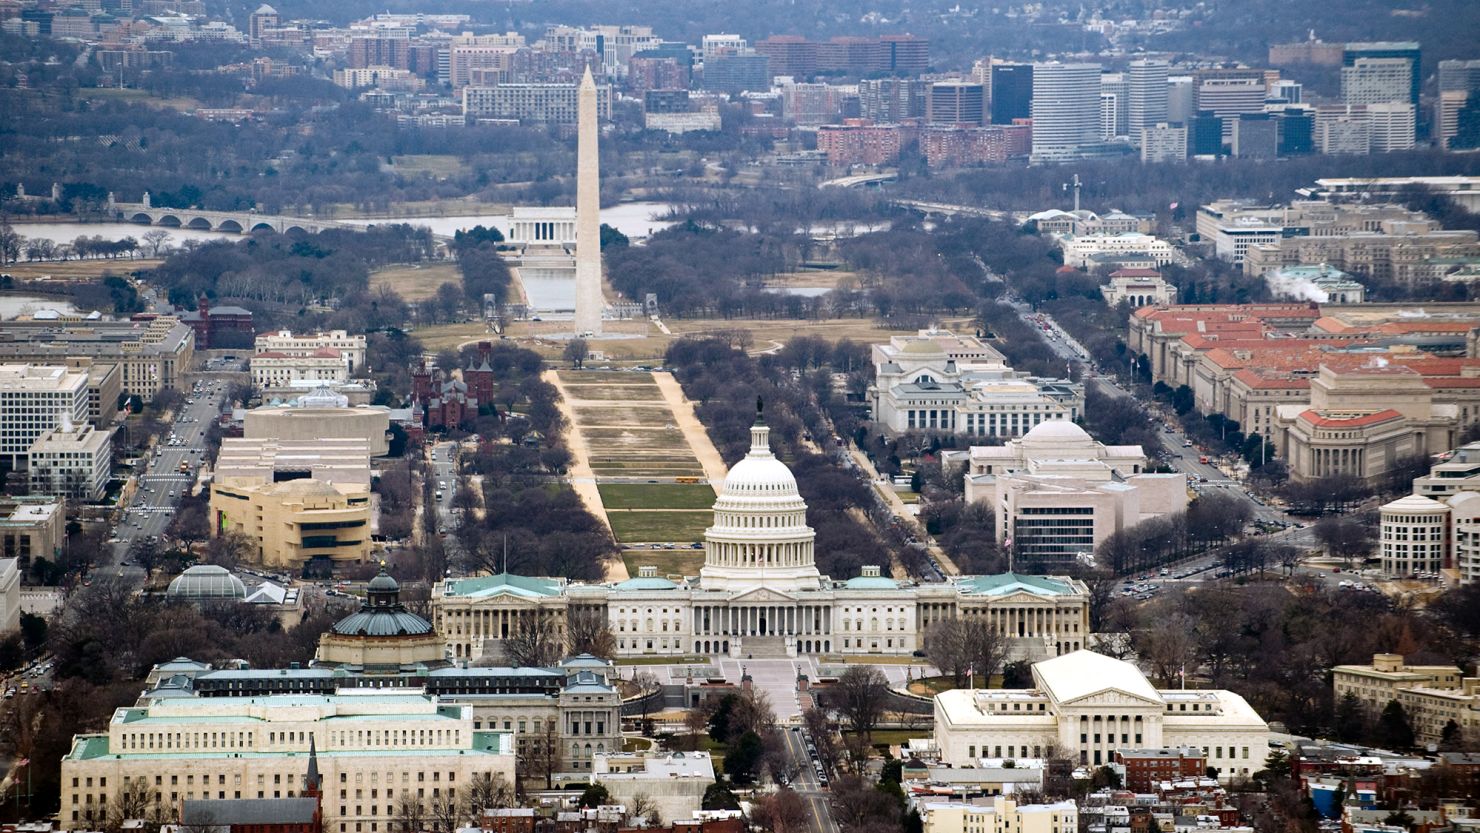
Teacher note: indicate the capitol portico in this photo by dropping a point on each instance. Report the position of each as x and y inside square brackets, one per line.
[760, 594]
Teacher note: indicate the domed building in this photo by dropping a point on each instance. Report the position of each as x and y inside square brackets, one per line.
[382, 634]
[1058, 493]
[760, 594]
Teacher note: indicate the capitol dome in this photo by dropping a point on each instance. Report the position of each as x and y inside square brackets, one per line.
[760, 533]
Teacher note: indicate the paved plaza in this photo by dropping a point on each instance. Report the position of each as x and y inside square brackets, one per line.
[776, 677]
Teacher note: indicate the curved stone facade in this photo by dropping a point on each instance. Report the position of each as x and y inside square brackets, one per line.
[370, 423]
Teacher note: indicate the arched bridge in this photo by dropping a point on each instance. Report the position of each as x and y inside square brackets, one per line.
[236, 222]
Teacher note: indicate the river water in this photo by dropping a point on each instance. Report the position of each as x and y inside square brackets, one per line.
[67, 232]
[12, 306]
[634, 219]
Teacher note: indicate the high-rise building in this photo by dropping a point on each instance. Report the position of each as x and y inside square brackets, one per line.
[1205, 134]
[956, 102]
[1406, 50]
[1255, 136]
[1296, 127]
[1181, 99]
[1391, 126]
[790, 55]
[1343, 130]
[531, 103]
[1286, 91]
[266, 17]
[890, 100]
[1230, 97]
[1163, 142]
[713, 45]
[1146, 104]
[71, 460]
[1012, 92]
[1066, 109]
[810, 104]
[737, 73]
[34, 400]
[1376, 81]
[906, 54]
[1114, 105]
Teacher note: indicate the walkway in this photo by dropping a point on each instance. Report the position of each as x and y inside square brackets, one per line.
[582, 478]
[687, 421]
[897, 504]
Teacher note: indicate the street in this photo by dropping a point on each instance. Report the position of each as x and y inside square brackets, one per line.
[804, 782]
[170, 468]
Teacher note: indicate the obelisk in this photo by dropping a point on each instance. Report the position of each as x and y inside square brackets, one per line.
[588, 212]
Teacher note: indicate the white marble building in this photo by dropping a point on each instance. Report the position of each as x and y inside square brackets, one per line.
[1087, 706]
[760, 594]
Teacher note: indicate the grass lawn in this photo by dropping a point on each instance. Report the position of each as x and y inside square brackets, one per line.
[416, 282]
[74, 269]
[669, 562]
[909, 497]
[655, 415]
[661, 496]
[604, 378]
[614, 393]
[616, 442]
[660, 527]
[436, 337]
[438, 166]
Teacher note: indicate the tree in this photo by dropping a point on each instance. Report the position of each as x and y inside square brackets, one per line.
[595, 796]
[229, 549]
[1451, 737]
[780, 812]
[858, 807]
[156, 241]
[135, 799]
[1393, 730]
[645, 808]
[590, 633]
[721, 717]
[487, 792]
[539, 755]
[861, 695]
[535, 643]
[1343, 537]
[743, 758]
[576, 352]
[147, 555]
[33, 631]
[191, 522]
[718, 796]
[1349, 721]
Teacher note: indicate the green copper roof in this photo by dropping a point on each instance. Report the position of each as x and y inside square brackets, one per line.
[493, 585]
[1004, 583]
[645, 583]
[871, 583]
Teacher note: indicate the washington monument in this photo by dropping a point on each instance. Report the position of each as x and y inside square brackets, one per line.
[589, 302]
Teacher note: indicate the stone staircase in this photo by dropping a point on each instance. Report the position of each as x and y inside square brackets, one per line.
[763, 647]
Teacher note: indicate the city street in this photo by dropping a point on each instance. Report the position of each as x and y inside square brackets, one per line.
[169, 471]
[804, 782]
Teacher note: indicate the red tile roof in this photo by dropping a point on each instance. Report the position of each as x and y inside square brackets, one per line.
[1315, 419]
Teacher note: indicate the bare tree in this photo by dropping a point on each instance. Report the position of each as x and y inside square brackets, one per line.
[410, 815]
[645, 808]
[861, 695]
[945, 647]
[156, 241]
[590, 634]
[781, 812]
[576, 352]
[539, 754]
[535, 643]
[487, 792]
[135, 799]
[752, 713]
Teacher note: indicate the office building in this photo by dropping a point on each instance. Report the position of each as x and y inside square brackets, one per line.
[10, 595]
[1163, 142]
[34, 399]
[72, 460]
[31, 526]
[1448, 109]
[301, 504]
[737, 73]
[1408, 51]
[152, 354]
[1012, 93]
[1391, 126]
[1205, 134]
[1058, 494]
[351, 348]
[1376, 685]
[1297, 128]
[1341, 130]
[359, 752]
[789, 55]
[273, 370]
[1322, 283]
[531, 103]
[1228, 98]
[712, 45]
[1376, 81]
[260, 21]
[957, 103]
[1286, 91]
[1089, 707]
[905, 54]
[1437, 528]
[1001, 815]
[1138, 287]
[1115, 99]
[1147, 95]
[1255, 137]
[1066, 106]
[1082, 251]
[1181, 99]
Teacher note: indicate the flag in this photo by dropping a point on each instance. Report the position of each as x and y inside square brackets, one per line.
[1173, 206]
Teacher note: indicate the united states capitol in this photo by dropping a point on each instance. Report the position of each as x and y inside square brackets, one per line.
[760, 594]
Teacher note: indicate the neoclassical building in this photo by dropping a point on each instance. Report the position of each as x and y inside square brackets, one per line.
[1086, 706]
[760, 594]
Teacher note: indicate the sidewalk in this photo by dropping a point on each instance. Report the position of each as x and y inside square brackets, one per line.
[687, 421]
[902, 511]
[582, 478]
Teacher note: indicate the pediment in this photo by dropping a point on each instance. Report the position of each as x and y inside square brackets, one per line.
[1111, 698]
[1021, 597]
[762, 595]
